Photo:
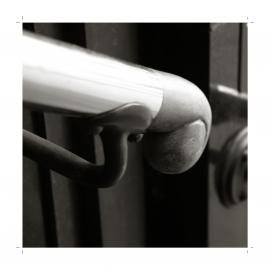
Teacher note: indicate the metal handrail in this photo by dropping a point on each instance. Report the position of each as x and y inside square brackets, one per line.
[67, 79]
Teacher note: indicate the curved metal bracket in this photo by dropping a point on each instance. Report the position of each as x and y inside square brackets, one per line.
[117, 125]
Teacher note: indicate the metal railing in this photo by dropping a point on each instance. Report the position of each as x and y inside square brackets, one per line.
[121, 98]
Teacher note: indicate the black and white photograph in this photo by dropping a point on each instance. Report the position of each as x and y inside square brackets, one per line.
[135, 135]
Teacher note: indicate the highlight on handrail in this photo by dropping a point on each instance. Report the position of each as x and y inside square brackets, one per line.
[70, 80]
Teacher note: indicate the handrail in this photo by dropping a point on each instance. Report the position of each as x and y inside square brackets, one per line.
[70, 80]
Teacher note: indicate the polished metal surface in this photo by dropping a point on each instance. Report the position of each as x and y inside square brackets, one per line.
[65, 78]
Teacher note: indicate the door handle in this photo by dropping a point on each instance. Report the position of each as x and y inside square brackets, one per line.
[229, 105]
[120, 99]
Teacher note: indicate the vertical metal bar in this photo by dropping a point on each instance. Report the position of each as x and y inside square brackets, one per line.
[243, 88]
[46, 188]
[34, 225]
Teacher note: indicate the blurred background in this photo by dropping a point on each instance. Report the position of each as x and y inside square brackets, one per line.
[203, 207]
